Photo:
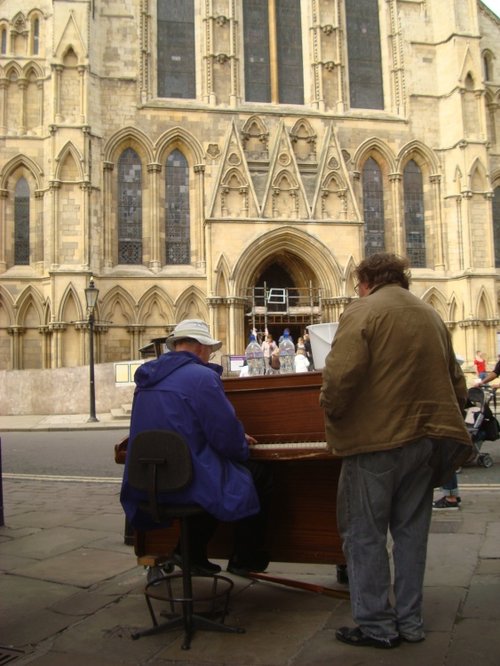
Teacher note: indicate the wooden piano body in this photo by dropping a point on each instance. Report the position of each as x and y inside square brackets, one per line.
[281, 410]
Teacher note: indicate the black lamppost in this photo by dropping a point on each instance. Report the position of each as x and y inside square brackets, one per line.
[91, 294]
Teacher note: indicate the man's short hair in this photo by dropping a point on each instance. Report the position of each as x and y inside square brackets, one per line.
[384, 268]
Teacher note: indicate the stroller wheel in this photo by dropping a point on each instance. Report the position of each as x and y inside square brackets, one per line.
[485, 460]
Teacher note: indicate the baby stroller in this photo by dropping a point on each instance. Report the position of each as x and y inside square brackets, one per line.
[481, 423]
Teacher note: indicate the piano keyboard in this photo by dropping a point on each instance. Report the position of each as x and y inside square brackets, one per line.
[289, 445]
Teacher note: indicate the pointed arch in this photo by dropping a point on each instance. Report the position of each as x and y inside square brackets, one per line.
[478, 177]
[435, 298]
[379, 150]
[484, 306]
[178, 137]
[223, 271]
[7, 303]
[421, 154]
[21, 162]
[153, 298]
[71, 293]
[255, 138]
[30, 297]
[191, 304]
[69, 153]
[129, 137]
[349, 277]
[290, 240]
[303, 139]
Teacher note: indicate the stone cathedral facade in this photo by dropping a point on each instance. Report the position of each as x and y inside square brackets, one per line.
[234, 159]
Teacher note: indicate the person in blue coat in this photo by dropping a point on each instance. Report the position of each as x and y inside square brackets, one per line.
[182, 391]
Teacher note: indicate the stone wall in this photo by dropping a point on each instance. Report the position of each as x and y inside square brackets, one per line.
[61, 391]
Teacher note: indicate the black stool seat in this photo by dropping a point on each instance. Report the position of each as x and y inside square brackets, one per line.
[160, 461]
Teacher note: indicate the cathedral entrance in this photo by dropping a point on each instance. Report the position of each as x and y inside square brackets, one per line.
[277, 301]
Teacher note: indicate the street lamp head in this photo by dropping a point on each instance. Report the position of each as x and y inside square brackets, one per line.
[91, 294]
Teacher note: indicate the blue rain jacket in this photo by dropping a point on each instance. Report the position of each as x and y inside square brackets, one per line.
[179, 392]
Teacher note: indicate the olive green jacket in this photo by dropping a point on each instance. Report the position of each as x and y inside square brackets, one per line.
[391, 376]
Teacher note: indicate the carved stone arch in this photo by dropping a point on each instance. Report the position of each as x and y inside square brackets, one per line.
[69, 152]
[7, 303]
[333, 182]
[155, 297]
[34, 67]
[495, 178]
[178, 137]
[284, 181]
[29, 297]
[13, 71]
[379, 151]
[484, 306]
[349, 277]
[18, 23]
[71, 293]
[435, 298]
[191, 304]
[303, 139]
[477, 177]
[453, 308]
[119, 296]
[234, 178]
[255, 138]
[223, 272]
[22, 162]
[421, 154]
[129, 137]
[307, 248]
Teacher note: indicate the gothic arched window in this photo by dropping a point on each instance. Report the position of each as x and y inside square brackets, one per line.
[414, 214]
[22, 223]
[496, 224]
[3, 40]
[273, 67]
[176, 49]
[129, 208]
[365, 60]
[35, 43]
[177, 215]
[373, 207]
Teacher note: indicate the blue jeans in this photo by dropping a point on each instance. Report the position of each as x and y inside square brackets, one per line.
[380, 492]
[451, 488]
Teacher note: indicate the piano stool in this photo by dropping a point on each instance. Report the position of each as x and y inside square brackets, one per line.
[160, 461]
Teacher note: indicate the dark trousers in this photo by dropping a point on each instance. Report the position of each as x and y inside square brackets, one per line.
[249, 533]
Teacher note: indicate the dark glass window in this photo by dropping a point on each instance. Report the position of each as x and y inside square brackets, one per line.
[263, 83]
[177, 217]
[36, 36]
[257, 58]
[496, 225]
[414, 214]
[363, 47]
[373, 208]
[129, 208]
[176, 49]
[3, 41]
[22, 223]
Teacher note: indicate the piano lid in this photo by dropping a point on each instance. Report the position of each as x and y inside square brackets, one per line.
[279, 408]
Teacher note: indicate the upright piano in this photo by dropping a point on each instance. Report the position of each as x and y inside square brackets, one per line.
[283, 414]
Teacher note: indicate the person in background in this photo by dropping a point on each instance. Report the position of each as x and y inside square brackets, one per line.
[268, 347]
[393, 396]
[308, 350]
[480, 363]
[301, 361]
[182, 391]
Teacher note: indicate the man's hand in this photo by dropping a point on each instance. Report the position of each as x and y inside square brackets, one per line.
[250, 440]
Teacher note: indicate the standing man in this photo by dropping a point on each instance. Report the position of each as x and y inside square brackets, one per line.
[393, 396]
[182, 391]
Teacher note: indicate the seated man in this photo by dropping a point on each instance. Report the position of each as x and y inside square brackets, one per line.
[183, 392]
